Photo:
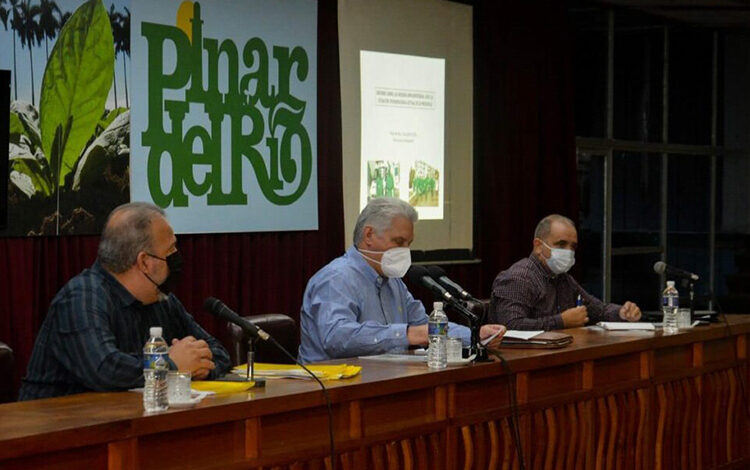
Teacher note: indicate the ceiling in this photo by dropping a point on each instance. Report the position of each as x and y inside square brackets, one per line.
[707, 13]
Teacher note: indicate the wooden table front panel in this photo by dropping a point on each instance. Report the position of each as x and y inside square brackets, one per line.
[607, 401]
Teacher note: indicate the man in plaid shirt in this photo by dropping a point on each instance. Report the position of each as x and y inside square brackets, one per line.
[537, 293]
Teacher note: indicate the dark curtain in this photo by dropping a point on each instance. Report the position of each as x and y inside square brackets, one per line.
[525, 164]
[524, 169]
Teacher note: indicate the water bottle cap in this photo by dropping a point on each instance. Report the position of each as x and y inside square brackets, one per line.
[670, 283]
[437, 305]
[155, 331]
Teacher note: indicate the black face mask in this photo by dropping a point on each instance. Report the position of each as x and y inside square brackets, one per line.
[174, 264]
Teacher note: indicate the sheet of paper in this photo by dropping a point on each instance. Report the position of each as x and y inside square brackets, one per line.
[518, 334]
[406, 358]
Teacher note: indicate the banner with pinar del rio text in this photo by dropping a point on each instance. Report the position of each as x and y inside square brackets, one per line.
[223, 113]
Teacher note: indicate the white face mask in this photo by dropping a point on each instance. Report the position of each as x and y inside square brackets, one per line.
[561, 260]
[395, 261]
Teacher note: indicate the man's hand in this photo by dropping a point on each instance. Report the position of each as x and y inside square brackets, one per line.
[488, 330]
[630, 312]
[417, 335]
[190, 354]
[573, 317]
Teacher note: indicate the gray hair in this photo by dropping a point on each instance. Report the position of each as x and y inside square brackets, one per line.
[379, 214]
[544, 227]
[124, 238]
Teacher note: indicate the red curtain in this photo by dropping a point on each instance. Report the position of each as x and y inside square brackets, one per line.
[524, 169]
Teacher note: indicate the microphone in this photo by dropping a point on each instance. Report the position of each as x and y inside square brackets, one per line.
[661, 267]
[218, 308]
[438, 274]
[420, 275]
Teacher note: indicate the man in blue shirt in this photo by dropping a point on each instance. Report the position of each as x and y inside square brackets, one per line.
[94, 332]
[357, 305]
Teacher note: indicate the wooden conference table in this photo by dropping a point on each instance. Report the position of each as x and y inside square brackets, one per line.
[610, 400]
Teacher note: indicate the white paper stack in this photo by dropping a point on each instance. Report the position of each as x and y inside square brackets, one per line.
[518, 334]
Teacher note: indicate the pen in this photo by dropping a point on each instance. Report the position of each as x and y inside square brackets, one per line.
[579, 301]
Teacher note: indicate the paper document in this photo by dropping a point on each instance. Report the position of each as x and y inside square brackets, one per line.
[396, 358]
[518, 334]
[291, 371]
[614, 325]
[282, 373]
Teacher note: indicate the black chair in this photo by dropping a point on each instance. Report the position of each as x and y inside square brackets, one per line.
[7, 371]
[281, 327]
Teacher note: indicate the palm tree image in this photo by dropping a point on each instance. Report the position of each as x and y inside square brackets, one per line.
[64, 18]
[122, 46]
[49, 21]
[114, 23]
[30, 33]
[120, 23]
[34, 22]
[5, 15]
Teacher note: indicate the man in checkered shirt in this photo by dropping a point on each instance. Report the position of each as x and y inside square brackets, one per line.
[537, 293]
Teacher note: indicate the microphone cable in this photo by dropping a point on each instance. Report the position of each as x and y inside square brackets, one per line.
[331, 442]
[219, 309]
[514, 418]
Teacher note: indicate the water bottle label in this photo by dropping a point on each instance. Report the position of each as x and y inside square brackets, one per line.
[434, 329]
[154, 361]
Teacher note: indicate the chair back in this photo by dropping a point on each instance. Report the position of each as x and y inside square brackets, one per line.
[281, 327]
[7, 371]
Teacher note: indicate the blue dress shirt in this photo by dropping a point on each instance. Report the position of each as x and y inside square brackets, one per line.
[349, 310]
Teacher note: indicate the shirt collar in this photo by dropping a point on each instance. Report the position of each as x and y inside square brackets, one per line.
[541, 267]
[120, 292]
[364, 267]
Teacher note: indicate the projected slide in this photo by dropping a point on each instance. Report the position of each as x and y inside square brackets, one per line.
[403, 120]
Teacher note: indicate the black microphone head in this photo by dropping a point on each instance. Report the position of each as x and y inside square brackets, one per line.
[436, 272]
[416, 273]
[660, 267]
[212, 304]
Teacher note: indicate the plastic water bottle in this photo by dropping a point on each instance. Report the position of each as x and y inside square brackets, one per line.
[670, 302]
[437, 330]
[155, 369]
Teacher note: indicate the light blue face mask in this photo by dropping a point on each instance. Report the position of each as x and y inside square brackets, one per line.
[561, 260]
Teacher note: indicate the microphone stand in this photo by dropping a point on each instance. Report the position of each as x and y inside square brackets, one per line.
[477, 347]
[474, 326]
[692, 301]
[251, 358]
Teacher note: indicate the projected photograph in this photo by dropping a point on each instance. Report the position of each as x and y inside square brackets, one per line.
[69, 113]
[424, 188]
[403, 119]
[383, 178]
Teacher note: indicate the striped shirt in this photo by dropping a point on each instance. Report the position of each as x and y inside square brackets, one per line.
[92, 338]
[528, 296]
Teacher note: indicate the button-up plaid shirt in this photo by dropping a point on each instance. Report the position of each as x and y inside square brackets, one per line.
[528, 296]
